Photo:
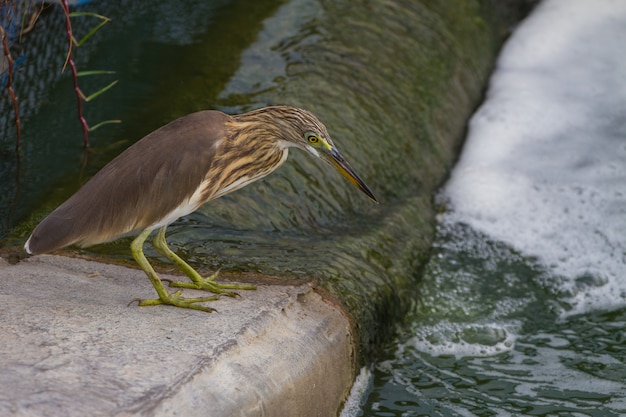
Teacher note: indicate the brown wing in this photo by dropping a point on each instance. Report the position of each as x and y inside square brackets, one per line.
[138, 188]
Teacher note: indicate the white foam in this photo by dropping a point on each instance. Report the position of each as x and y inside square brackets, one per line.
[544, 166]
[463, 340]
[359, 391]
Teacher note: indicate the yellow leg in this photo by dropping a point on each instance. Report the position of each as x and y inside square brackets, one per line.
[136, 248]
[198, 282]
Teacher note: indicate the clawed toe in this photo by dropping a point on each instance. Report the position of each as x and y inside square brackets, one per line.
[209, 284]
[197, 281]
[177, 300]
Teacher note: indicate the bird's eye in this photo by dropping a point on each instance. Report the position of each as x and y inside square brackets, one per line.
[313, 139]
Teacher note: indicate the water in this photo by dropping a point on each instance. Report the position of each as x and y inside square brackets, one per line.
[523, 305]
[488, 339]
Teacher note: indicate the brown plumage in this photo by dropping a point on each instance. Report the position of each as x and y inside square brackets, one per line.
[136, 189]
[177, 168]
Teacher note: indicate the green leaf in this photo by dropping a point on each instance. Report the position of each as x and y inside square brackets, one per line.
[90, 14]
[102, 90]
[93, 72]
[104, 19]
[106, 122]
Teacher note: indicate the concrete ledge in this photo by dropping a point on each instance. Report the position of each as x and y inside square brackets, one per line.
[71, 346]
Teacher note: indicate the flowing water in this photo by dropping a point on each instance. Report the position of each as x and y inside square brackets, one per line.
[523, 307]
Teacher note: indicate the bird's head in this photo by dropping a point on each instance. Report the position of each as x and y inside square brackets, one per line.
[322, 147]
[285, 127]
[302, 129]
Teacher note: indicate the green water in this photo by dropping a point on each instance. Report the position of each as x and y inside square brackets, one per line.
[487, 339]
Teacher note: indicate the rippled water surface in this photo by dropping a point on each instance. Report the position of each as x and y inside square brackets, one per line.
[487, 339]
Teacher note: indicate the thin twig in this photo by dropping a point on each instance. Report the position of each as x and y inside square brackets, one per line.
[31, 20]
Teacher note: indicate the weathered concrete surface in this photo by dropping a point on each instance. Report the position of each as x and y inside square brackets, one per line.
[71, 346]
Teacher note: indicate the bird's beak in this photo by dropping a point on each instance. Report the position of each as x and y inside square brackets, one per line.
[334, 157]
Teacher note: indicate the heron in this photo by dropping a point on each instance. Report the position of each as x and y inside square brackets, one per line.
[172, 172]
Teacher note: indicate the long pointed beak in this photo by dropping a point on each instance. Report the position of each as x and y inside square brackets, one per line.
[334, 157]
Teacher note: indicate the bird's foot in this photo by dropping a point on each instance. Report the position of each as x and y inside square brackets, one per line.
[177, 300]
[209, 284]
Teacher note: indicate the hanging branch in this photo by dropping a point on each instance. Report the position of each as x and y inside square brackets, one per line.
[69, 60]
[80, 96]
[9, 86]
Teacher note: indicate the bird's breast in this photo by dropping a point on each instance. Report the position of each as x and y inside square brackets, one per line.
[243, 172]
